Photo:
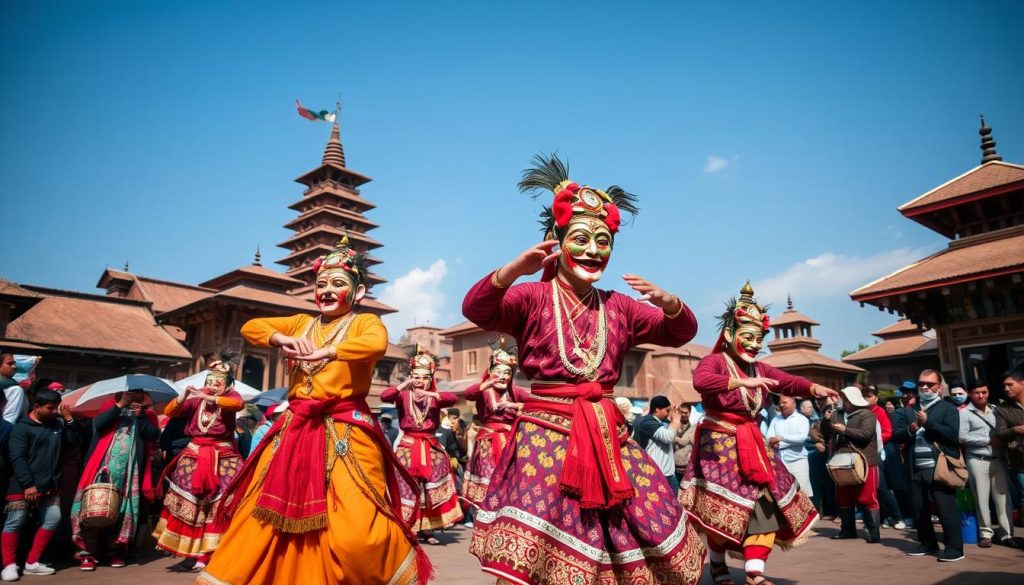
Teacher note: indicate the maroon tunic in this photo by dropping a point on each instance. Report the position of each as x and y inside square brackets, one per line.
[222, 430]
[714, 488]
[530, 530]
[487, 403]
[525, 311]
[402, 399]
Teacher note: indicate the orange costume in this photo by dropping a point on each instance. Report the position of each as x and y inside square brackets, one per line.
[356, 538]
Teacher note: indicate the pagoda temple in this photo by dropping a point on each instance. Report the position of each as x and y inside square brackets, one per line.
[972, 292]
[331, 207]
[795, 350]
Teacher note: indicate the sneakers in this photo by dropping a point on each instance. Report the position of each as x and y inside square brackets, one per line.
[88, 564]
[39, 569]
[923, 550]
[949, 556]
[985, 543]
[900, 525]
[10, 573]
[117, 562]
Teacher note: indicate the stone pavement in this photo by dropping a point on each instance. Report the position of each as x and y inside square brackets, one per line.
[820, 561]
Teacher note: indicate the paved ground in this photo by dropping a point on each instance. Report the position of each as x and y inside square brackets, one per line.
[820, 561]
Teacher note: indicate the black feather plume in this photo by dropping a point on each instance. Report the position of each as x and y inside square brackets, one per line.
[626, 202]
[544, 175]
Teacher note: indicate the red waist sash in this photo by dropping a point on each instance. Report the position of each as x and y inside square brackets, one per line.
[205, 478]
[500, 434]
[592, 472]
[420, 443]
[750, 445]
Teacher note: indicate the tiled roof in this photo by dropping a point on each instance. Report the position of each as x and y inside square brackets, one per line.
[396, 352]
[464, 327]
[893, 348]
[332, 231]
[792, 316]
[901, 328]
[10, 289]
[795, 358]
[332, 210]
[93, 322]
[690, 349]
[254, 273]
[987, 176]
[979, 256]
[247, 293]
[167, 296]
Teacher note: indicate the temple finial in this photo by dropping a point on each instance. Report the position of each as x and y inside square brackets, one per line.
[256, 259]
[334, 153]
[988, 144]
[126, 265]
[789, 302]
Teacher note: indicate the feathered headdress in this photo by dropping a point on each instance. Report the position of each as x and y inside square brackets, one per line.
[740, 312]
[342, 257]
[549, 173]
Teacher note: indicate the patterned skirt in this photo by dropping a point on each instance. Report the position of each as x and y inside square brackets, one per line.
[438, 501]
[529, 532]
[723, 503]
[187, 528]
[488, 448]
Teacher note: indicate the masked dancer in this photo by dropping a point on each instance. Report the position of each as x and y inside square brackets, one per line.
[498, 402]
[737, 489]
[435, 503]
[314, 503]
[198, 476]
[573, 499]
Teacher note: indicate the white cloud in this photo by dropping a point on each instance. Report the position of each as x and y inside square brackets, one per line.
[832, 275]
[715, 164]
[417, 296]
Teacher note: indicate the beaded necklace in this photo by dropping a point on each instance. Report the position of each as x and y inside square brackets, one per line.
[337, 335]
[591, 357]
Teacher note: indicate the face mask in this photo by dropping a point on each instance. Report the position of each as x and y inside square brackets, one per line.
[927, 397]
[959, 398]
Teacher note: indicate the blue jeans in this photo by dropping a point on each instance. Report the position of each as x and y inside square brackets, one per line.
[673, 481]
[1018, 482]
[49, 510]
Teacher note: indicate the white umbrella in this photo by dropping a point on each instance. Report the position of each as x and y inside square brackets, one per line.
[159, 389]
[198, 380]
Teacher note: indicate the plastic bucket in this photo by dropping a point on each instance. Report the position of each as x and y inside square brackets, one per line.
[969, 527]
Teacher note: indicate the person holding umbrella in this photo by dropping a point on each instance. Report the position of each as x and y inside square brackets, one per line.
[124, 433]
[202, 472]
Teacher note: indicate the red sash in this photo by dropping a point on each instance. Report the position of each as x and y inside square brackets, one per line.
[500, 433]
[292, 479]
[420, 462]
[593, 470]
[750, 448]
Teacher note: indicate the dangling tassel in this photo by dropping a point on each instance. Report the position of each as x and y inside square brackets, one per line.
[424, 568]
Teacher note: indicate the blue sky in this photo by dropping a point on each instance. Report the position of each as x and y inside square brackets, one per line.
[770, 141]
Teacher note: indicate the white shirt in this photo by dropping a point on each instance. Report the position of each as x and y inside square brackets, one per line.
[793, 430]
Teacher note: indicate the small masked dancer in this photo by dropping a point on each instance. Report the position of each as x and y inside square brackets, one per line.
[738, 490]
[574, 499]
[498, 402]
[199, 475]
[125, 433]
[314, 503]
[434, 503]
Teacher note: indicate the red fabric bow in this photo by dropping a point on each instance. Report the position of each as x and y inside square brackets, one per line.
[612, 217]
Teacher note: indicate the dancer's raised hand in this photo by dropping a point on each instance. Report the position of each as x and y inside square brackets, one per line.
[530, 261]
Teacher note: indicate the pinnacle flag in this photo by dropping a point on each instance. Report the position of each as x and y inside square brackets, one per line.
[322, 115]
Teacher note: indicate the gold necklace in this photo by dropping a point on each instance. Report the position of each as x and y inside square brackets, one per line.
[337, 335]
[591, 359]
[418, 415]
[753, 403]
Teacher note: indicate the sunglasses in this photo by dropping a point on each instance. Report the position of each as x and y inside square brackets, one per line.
[927, 384]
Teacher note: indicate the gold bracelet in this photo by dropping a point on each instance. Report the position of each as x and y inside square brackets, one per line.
[677, 313]
[494, 280]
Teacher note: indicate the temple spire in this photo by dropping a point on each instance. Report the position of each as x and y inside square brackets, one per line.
[126, 266]
[988, 144]
[789, 302]
[334, 154]
[256, 260]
